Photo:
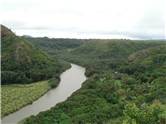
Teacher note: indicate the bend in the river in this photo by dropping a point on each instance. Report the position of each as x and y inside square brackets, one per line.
[71, 81]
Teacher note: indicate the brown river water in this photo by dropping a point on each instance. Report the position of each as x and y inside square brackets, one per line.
[71, 81]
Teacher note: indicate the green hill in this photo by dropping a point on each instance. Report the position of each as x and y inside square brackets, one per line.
[21, 62]
[54, 46]
[146, 64]
[107, 54]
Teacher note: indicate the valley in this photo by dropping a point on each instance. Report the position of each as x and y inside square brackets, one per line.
[125, 79]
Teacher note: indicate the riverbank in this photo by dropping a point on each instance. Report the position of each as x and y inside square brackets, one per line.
[16, 96]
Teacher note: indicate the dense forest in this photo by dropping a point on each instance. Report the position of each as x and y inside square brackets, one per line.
[126, 82]
[22, 62]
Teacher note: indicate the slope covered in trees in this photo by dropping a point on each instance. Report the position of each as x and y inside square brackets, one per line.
[53, 46]
[126, 85]
[21, 62]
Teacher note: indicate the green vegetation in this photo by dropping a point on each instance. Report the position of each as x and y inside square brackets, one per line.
[126, 84]
[54, 47]
[146, 114]
[21, 62]
[16, 96]
[53, 82]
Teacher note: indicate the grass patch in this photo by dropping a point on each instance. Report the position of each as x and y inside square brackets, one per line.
[16, 96]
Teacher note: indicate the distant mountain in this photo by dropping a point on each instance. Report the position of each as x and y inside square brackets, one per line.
[21, 62]
[54, 45]
[108, 50]
[27, 36]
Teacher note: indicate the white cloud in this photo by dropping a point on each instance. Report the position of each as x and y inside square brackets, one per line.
[85, 18]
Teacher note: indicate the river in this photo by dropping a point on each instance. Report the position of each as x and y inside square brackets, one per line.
[71, 81]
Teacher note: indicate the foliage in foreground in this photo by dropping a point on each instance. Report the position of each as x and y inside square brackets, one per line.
[105, 98]
[145, 114]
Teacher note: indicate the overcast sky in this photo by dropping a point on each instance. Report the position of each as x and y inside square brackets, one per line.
[137, 19]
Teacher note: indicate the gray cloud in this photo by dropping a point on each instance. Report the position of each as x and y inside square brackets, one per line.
[137, 19]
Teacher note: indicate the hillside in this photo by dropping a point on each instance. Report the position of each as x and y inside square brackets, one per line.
[107, 54]
[21, 62]
[54, 46]
[90, 49]
[147, 64]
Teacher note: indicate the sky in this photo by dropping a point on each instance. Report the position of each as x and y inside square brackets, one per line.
[105, 19]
